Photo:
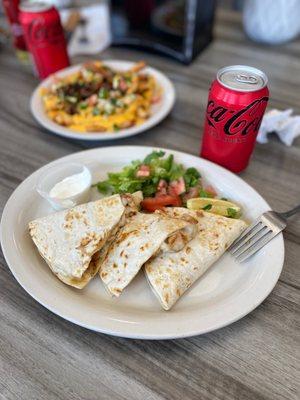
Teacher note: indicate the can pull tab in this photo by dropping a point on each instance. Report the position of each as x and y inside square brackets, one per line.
[246, 79]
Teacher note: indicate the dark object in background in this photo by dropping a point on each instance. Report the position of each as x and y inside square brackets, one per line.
[177, 28]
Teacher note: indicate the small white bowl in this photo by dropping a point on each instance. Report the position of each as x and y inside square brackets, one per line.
[56, 174]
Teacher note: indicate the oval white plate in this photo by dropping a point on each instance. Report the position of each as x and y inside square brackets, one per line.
[227, 292]
[159, 111]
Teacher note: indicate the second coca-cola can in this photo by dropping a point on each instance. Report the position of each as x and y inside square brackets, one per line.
[236, 104]
[44, 37]
[11, 9]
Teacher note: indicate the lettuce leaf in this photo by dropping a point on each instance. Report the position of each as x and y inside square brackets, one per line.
[126, 181]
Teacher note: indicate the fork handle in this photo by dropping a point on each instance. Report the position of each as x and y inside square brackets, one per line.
[291, 212]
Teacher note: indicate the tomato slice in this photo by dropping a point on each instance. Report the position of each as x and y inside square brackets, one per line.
[177, 187]
[157, 203]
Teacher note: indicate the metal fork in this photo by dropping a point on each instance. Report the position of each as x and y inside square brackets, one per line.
[258, 234]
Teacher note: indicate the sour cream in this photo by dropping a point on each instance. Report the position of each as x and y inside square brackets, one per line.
[65, 185]
[71, 185]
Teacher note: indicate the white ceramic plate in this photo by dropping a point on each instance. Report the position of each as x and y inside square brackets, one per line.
[159, 111]
[227, 292]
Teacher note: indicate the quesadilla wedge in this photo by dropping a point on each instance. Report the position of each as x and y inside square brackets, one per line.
[171, 274]
[141, 237]
[67, 240]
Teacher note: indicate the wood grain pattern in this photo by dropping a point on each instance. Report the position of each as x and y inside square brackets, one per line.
[45, 357]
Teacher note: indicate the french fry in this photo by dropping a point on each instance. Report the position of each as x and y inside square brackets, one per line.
[89, 101]
[95, 128]
[138, 66]
[126, 124]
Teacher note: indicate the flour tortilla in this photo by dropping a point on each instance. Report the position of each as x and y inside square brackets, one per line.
[67, 240]
[141, 237]
[171, 274]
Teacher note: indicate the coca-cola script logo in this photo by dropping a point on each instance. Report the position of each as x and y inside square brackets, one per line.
[40, 32]
[245, 121]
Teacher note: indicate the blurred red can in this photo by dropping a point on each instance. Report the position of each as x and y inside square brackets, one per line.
[236, 104]
[44, 37]
[11, 9]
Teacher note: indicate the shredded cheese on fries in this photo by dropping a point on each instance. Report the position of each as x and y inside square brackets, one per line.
[98, 98]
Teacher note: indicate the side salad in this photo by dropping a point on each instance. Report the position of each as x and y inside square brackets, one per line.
[163, 183]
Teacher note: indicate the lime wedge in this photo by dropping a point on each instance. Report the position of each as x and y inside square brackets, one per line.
[215, 206]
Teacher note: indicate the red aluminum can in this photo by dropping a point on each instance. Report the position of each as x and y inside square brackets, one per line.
[44, 37]
[236, 104]
[11, 9]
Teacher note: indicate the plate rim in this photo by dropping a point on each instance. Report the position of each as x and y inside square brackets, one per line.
[117, 333]
[59, 130]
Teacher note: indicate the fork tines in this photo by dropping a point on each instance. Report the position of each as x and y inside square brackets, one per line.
[256, 236]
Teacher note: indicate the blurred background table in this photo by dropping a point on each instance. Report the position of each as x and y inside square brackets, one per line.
[45, 357]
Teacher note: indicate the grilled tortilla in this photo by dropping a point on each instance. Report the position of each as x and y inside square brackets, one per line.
[142, 237]
[67, 240]
[171, 274]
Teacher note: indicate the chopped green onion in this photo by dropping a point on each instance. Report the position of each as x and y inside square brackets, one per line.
[103, 93]
[116, 81]
[71, 99]
[109, 108]
[83, 106]
[207, 207]
[96, 111]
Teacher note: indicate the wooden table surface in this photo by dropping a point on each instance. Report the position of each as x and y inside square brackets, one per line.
[44, 357]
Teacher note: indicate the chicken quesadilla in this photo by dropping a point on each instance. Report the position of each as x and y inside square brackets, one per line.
[170, 274]
[156, 219]
[142, 237]
[67, 240]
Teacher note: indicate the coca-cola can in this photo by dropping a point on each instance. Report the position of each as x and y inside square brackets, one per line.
[44, 37]
[236, 104]
[11, 9]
